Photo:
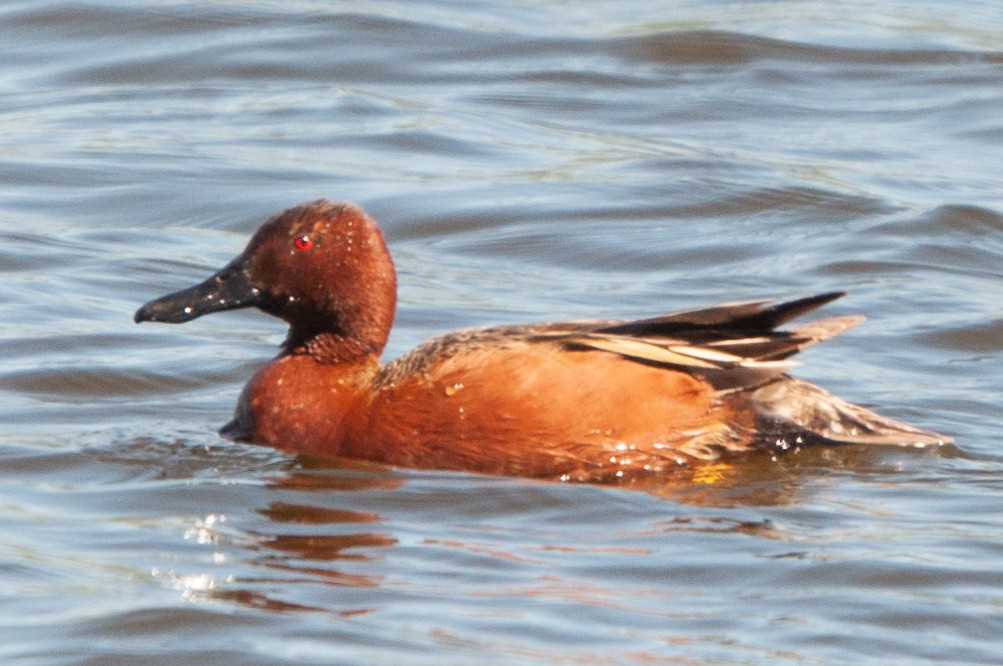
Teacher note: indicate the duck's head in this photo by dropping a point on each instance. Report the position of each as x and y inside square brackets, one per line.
[323, 267]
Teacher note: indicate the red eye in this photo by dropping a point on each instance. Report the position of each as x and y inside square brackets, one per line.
[303, 243]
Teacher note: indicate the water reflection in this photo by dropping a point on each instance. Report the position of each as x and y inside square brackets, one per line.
[335, 474]
[322, 547]
[339, 525]
[311, 544]
[777, 478]
[284, 512]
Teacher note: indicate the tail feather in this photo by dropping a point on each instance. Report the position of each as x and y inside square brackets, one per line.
[790, 407]
[741, 319]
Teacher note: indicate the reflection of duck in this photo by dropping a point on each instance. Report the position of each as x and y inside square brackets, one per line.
[587, 400]
[313, 556]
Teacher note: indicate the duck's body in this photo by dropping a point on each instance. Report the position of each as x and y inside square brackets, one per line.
[586, 400]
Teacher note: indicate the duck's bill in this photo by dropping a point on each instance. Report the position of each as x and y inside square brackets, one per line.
[229, 289]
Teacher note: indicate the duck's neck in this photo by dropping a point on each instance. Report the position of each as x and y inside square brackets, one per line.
[328, 347]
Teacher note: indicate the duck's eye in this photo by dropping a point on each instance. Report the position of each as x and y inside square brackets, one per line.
[303, 243]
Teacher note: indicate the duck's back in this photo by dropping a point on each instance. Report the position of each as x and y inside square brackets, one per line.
[595, 399]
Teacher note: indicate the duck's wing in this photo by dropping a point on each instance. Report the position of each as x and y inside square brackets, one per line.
[734, 346]
[750, 317]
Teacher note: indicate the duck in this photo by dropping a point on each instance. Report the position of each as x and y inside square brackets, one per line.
[586, 400]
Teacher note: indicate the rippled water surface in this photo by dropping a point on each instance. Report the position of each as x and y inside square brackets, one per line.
[528, 161]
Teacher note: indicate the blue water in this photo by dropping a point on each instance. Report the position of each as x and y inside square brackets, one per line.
[528, 161]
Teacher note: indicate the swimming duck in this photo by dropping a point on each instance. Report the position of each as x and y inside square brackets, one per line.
[590, 400]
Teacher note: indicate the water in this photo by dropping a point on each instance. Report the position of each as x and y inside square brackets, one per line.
[528, 161]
